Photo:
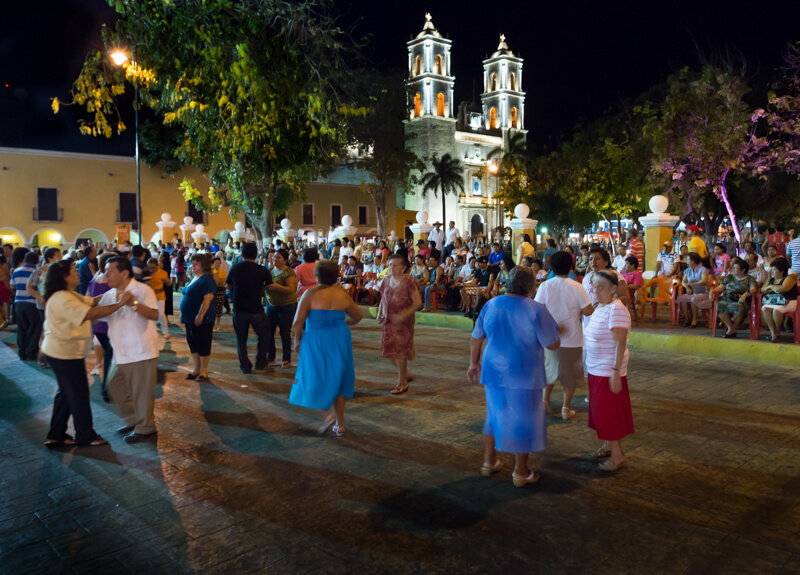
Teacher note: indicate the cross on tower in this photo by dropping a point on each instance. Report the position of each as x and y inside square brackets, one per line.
[502, 37]
[428, 16]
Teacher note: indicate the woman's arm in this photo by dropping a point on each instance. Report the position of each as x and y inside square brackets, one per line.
[98, 312]
[621, 339]
[474, 372]
[622, 292]
[299, 323]
[416, 303]
[354, 313]
[703, 280]
[290, 287]
[787, 284]
[203, 308]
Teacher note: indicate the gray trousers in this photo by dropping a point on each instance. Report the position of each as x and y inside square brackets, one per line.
[132, 387]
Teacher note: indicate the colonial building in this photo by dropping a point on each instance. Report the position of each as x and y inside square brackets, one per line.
[470, 135]
[61, 198]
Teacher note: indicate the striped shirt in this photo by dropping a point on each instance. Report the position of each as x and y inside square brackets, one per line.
[636, 248]
[19, 281]
[599, 344]
[793, 251]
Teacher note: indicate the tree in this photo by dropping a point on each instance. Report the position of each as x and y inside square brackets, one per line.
[510, 163]
[380, 136]
[783, 119]
[704, 130]
[446, 177]
[256, 89]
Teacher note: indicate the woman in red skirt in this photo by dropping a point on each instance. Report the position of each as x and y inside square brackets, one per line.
[606, 346]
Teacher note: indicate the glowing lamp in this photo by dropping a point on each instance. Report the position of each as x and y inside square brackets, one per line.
[119, 57]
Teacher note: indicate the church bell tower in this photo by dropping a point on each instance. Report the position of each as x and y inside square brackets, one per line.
[503, 99]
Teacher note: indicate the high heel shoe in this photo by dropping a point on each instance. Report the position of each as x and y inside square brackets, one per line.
[488, 471]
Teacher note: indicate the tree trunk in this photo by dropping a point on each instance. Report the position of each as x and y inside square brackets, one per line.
[262, 223]
[444, 207]
[724, 196]
[380, 211]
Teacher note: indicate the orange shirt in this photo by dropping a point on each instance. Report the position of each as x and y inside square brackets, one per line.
[157, 283]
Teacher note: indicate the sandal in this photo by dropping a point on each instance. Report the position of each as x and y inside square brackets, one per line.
[191, 376]
[611, 466]
[338, 430]
[601, 452]
[398, 390]
[201, 378]
[487, 471]
[66, 440]
[97, 441]
[521, 482]
[329, 420]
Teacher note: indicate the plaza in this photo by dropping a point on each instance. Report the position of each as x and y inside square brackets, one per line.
[239, 481]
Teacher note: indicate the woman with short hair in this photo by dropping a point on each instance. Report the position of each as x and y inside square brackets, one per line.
[606, 356]
[198, 314]
[325, 374]
[513, 326]
[780, 297]
[282, 305]
[306, 279]
[734, 305]
[695, 282]
[67, 342]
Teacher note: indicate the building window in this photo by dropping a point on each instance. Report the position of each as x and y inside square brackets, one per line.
[438, 68]
[363, 216]
[336, 214]
[493, 83]
[440, 104]
[417, 106]
[308, 214]
[493, 118]
[476, 187]
[513, 117]
[46, 209]
[198, 216]
[127, 208]
[512, 81]
[418, 66]
[279, 219]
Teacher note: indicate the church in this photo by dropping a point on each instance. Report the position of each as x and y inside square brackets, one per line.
[469, 133]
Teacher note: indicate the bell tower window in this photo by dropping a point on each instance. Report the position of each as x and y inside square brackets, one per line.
[493, 118]
[417, 66]
[512, 81]
[513, 117]
[440, 104]
[417, 106]
[493, 83]
[437, 67]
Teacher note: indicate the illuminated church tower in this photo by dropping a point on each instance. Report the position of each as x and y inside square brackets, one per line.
[503, 99]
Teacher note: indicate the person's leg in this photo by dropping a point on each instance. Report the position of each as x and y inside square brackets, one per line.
[766, 315]
[274, 318]
[428, 298]
[143, 390]
[261, 326]
[726, 319]
[241, 327]
[777, 321]
[163, 318]
[685, 311]
[60, 416]
[36, 324]
[76, 390]
[108, 353]
[119, 389]
[548, 392]
[489, 452]
[98, 358]
[22, 330]
[338, 408]
[521, 470]
[617, 455]
[402, 375]
[286, 315]
[695, 313]
[204, 365]
[568, 393]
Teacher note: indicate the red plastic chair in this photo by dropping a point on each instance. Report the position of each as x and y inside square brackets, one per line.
[755, 317]
[666, 292]
[359, 287]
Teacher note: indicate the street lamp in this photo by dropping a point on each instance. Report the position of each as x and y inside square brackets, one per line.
[494, 169]
[119, 58]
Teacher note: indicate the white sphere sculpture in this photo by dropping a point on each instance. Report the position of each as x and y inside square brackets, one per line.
[165, 217]
[239, 227]
[200, 228]
[659, 204]
[347, 221]
[522, 211]
[286, 223]
[188, 220]
[422, 217]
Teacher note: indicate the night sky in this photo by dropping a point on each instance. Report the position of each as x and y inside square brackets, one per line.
[580, 57]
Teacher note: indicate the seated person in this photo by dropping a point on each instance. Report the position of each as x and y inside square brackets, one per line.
[435, 273]
[695, 284]
[722, 261]
[631, 273]
[462, 278]
[734, 303]
[619, 260]
[780, 296]
[750, 248]
[756, 270]
[419, 271]
[480, 284]
[582, 262]
[501, 281]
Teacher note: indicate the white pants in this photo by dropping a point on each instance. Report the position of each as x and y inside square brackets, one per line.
[162, 317]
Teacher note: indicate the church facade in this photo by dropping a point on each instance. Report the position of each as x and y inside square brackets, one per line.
[474, 133]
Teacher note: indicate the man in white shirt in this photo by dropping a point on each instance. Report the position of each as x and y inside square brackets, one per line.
[133, 335]
[332, 235]
[666, 260]
[345, 252]
[451, 234]
[437, 235]
[619, 261]
[566, 300]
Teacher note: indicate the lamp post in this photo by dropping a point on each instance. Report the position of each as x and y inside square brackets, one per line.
[119, 57]
[493, 169]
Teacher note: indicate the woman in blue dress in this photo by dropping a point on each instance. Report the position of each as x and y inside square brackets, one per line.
[325, 375]
[516, 330]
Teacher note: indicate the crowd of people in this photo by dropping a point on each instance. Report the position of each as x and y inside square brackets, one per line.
[562, 316]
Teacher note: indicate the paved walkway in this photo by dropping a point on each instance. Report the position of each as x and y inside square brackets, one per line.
[238, 481]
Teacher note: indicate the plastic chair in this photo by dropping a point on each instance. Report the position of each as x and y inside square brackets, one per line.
[439, 290]
[755, 317]
[666, 292]
[361, 286]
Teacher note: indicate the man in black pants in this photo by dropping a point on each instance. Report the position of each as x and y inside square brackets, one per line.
[29, 322]
[247, 281]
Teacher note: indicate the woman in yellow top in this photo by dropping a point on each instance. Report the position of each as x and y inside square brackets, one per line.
[220, 277]
[158, 279]
[525, 249]
[282, 305]
[67, 341]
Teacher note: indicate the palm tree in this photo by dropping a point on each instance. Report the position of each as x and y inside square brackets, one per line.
[446, 176]
[514, 156]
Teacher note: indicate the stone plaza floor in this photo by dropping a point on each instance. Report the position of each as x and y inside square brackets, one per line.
[238, 480]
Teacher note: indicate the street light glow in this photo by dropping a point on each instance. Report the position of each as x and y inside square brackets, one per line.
[493, 168]
[119, 57]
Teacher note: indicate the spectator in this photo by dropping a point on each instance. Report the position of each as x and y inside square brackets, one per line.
[666, 261]
[247, 281]
[419, 271]
[198, 313]
[636, 248]
[5, 292]
[551, 249]
[582, 261]
[722, 261]
[29, 322]
[513, 326]
[88, 267]
[305, 271]
[779, 239]
[140, 272]
[220, 275]
[525, 248]
[780, 297]
[696, 245]
[695, 284]
[159, 281]
[793, 253]
[756, 271]
[619, 260]
[631, 274]
[479, 286]
[736, 288]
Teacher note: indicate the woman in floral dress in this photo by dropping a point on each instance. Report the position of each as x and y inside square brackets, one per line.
[399, 302]
[733, 304]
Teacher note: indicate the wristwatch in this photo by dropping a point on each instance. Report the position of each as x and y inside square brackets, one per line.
[135, 305]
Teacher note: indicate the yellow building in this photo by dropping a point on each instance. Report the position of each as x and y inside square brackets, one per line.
[58, 198]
